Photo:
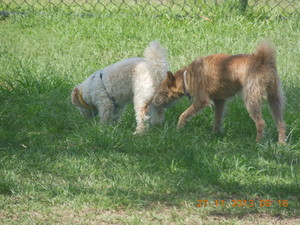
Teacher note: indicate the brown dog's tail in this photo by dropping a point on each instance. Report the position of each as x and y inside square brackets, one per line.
[265, 54]
[264, 66]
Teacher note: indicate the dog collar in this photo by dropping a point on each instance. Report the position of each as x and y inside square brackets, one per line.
[82, 102]
[185, 86]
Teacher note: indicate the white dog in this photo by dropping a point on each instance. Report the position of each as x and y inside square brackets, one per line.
[107, 91]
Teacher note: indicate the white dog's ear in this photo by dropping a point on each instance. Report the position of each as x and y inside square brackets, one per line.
[171, 79]
[75, 100]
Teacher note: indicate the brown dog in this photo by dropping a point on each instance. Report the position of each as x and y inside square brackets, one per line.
[219, 77]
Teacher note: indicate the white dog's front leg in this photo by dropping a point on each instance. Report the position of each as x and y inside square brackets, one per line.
[118, 111]
[106, 110]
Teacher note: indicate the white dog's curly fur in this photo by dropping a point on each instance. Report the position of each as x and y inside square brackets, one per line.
[107, 91]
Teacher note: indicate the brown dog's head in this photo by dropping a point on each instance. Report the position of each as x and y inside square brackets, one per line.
[85, 109]
[169, 90]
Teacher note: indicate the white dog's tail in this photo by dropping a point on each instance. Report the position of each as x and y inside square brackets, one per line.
[157, 55]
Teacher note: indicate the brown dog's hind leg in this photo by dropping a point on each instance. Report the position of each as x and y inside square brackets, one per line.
[219, 110]
[253, 93]
[275, 100]
[254, 109]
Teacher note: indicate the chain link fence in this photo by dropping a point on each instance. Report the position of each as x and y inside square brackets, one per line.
[180, 7]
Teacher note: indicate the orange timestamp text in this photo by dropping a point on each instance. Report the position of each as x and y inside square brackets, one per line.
[243, 203]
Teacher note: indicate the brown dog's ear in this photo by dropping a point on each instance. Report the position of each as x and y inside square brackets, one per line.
[171, 79]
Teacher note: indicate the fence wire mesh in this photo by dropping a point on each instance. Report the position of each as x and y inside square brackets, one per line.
[182, 7]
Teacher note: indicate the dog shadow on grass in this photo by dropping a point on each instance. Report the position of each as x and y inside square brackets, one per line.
[165, 166]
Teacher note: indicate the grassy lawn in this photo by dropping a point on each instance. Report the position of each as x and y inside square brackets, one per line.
[59, 168]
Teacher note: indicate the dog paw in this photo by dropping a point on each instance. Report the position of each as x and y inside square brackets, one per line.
[179, 126]
[138, 132]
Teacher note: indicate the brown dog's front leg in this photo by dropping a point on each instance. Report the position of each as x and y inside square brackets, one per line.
[190, 112]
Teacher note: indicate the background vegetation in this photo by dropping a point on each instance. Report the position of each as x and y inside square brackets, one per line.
[181, 7]
[57, 167]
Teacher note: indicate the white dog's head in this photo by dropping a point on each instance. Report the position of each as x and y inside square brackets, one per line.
[85, 109]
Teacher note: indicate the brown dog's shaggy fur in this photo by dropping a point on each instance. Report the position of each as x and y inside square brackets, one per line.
[219, 77]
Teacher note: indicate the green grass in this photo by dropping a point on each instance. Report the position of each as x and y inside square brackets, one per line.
[57, 167]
